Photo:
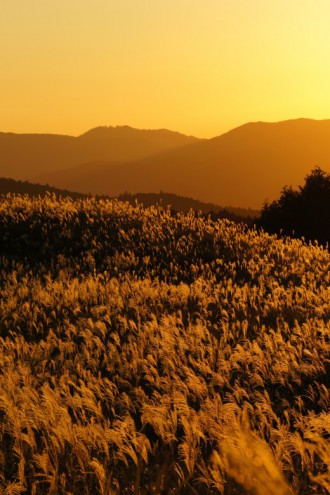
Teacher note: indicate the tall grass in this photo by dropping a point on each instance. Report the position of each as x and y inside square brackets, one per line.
[147, 353]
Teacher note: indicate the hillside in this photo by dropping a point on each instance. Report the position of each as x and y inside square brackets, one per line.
[184, 204]
[177, 203]
[244, 167]
[147, 353]
[12, 186]
[26, 156]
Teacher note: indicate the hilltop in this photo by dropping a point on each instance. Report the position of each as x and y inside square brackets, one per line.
[26, 156]
[244, 166]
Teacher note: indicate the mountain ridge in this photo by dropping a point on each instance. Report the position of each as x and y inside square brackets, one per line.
[24, 156]
[105, 130]
[245, 166]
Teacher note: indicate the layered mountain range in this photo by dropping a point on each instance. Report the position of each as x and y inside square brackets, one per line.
[243, 167]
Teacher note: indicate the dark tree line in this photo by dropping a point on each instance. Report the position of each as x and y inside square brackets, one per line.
[301, 213]
[13, 186]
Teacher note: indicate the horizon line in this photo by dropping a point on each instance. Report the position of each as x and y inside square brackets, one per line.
[118, 126]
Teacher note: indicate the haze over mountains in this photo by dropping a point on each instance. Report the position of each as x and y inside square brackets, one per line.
[242, 167]
[25, 156]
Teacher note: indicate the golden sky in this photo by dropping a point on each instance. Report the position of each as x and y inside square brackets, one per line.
[197, 66]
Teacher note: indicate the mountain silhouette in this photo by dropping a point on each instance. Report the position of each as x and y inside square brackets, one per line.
[244, 166]
[25, 156]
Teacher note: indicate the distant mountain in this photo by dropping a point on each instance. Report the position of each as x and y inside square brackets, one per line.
[177, 203]
[25, 156]
[244, 166]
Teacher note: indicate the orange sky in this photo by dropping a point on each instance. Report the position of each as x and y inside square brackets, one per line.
[199, 67]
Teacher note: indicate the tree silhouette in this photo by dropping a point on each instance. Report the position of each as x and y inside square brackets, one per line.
[301, 213]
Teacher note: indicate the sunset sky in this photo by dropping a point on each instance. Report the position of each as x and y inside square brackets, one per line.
[199, 67]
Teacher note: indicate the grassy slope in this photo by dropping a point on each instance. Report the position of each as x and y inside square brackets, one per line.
[144, 353]
[184, 204]
[178, 203]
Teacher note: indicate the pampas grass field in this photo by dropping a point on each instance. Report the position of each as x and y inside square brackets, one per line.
[144, 352]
